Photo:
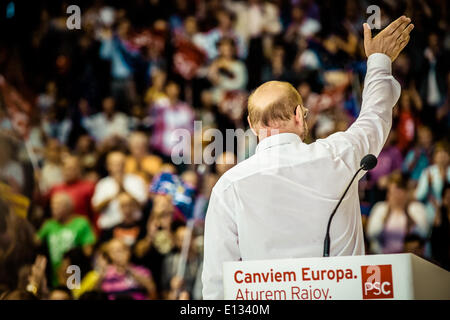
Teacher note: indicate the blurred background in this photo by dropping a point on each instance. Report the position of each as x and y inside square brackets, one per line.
[86, 177]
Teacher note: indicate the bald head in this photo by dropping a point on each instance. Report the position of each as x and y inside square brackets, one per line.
[274, 105]
[61, 205]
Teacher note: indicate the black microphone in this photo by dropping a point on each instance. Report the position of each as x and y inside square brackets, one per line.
[368, 162]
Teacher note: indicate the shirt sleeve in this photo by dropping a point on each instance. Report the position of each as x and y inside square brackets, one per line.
[221, 244]
[370, 131]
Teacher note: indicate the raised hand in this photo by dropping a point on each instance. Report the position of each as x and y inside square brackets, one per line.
[391, 40]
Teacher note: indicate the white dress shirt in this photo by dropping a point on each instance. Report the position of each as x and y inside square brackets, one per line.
[276, 204]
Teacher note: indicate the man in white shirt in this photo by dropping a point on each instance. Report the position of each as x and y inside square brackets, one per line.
[105, 198]
[276, 204]
[108, 123]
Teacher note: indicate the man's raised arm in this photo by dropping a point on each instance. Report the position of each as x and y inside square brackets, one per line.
[381, 92]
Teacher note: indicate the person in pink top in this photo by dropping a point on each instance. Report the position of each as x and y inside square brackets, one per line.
[167, 116]
[123, 280]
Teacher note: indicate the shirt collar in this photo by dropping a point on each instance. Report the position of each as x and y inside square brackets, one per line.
[277, 140]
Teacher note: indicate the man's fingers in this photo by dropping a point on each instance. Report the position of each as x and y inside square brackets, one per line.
[390, 29]
[402, 27]
[367, 32]
[408, 29]
[401, 45]
[403, 36]
[403, 40]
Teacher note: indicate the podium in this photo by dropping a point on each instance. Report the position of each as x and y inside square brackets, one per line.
[388, 276]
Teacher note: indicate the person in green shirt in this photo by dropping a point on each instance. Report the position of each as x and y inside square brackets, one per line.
[64, 231]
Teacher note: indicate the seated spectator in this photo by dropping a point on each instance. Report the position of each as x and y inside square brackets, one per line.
[156, 241]
[308, 59]
[276, 70]
[407, 121]
[105, 199]
[140, 161]
[225, 29]
[57, 122]
[107, 123]
[440, 235]
[226, 72]
[115, 48]
[64, 231]
[418, 158]
[432, 180]
[301, 25]
[179, 262]
[51, 173]
[392, 220]
[156, 93]
[130, 227]
[258, 22]
[122, 279]
[80, 191]
[167, 117]
[431, 77]
[87, 154]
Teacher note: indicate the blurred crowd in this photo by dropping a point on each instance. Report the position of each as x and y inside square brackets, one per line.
[92, 206]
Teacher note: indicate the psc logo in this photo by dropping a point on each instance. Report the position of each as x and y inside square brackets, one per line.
[377, 282]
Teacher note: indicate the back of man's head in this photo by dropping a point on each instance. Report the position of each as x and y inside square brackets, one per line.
[272, 105]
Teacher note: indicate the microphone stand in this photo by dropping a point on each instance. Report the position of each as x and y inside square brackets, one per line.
[326, 243]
